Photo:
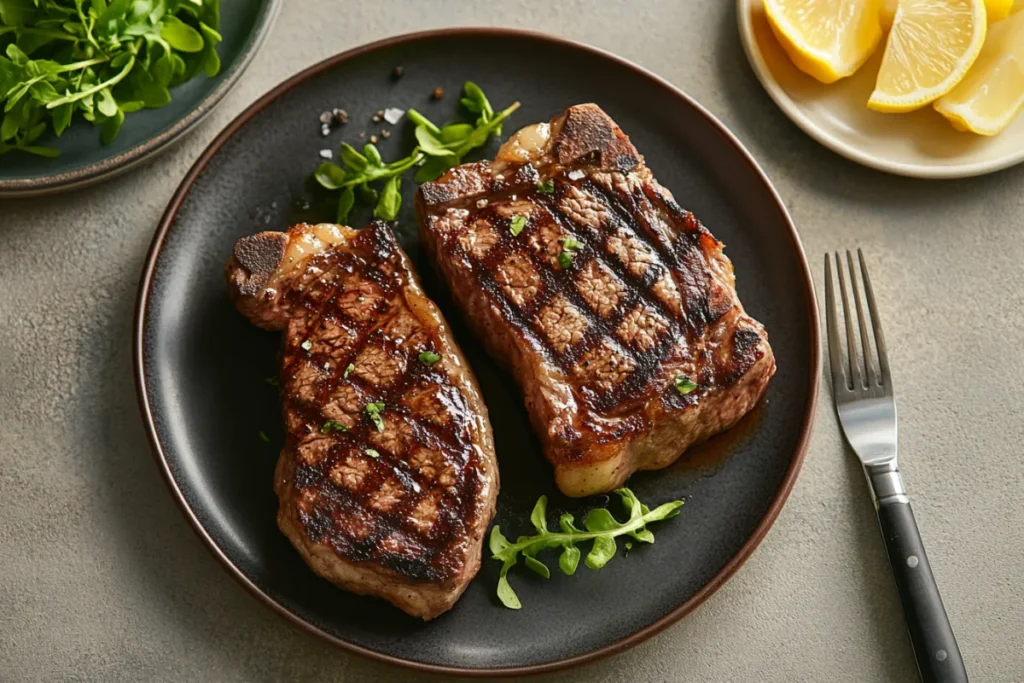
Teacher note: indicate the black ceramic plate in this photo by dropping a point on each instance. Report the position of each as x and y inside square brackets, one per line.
[84, 159]
[200, 365]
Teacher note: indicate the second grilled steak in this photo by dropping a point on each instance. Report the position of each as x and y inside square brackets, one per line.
[615, 309]
[387, 480]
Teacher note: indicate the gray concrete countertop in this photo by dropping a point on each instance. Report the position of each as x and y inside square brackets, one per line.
[101, 578]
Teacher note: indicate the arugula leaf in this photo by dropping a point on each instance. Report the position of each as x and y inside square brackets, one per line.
[546, 187]
[601, 527]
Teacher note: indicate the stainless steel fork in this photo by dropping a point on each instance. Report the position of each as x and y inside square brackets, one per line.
[867, 412]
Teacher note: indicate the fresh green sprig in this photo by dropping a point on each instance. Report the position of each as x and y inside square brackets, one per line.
[437, 150]
[599, 526]
[100, 59]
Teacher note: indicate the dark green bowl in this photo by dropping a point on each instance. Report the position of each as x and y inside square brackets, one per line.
[84, 160]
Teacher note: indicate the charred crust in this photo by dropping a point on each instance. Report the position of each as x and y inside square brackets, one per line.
[258, 256]
[586, 129]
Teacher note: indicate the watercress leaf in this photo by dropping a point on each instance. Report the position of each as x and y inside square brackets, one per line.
[211, 62]
[537, 566]
[430, 144]
[211, 13]
[345, 203]
[419, 119]
[644, 535]
[111, 126]
[603, 550]
[48, 152]
[539, 514]
[367, 194]
[390, 200]
[566, 524]
[180, 35]
[353, 160]
[16, 54]
[34, 132]
[329, 175]
[474, 93]
[17, 12]
[372, 154]
[62, 117]
[470, 105]
[599, 519]
[455, 132]
[665, 511]
[11, 124]
[505, 593]
[434, 167]
[43, 92]
[163, 70]
[129, 107]
[569, 560]
[105, 103]
[497, 541]
[210, 34]
[117, 9]
[141, 9]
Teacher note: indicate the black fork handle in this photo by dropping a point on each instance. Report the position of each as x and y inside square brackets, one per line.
[935, 648]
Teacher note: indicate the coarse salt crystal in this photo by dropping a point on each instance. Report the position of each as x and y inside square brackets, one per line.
[326, 153]
[393, 115]
[575, 174]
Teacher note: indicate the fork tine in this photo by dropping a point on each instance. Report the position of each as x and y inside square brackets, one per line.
[851, 338]
[835, 351]
[869, 367]
[869, 293]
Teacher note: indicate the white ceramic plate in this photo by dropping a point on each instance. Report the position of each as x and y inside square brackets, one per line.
[921, 144]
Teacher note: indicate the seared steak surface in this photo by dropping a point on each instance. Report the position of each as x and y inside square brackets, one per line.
[387, 479]
[606, 299]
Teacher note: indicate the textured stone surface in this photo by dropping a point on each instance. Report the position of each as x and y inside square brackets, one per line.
[102, 580]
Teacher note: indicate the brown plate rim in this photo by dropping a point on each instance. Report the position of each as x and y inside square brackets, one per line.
[642, 634]
[155, 145]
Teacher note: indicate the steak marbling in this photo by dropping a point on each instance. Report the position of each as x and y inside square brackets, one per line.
[599, 330]
[395, 507]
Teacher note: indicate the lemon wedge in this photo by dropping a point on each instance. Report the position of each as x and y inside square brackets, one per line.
[828, 39]
[992, 94]
[998, 9]
[931, 46]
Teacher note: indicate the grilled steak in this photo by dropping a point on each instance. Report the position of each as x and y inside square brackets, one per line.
[387, 480]
[615, 309]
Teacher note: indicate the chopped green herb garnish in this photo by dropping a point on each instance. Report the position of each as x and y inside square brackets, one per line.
[349, 369]
[600, 526]
[373, 411]
[429, 357]
[517, 224]
[372, 453]
[565, 259]
[685, 385]
[333, 425]
[272, 381]
[571, 243]
[547, 187]
[306, 345]
[263, 437]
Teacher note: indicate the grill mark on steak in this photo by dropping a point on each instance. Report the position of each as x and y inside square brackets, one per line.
[647, 296]
[355, 322]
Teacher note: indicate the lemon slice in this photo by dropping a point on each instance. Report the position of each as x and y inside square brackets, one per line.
[992, 94]
[931, 46]
[828, 39]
